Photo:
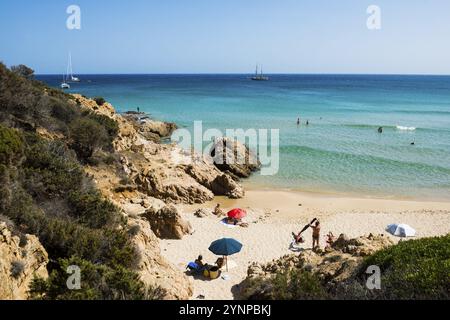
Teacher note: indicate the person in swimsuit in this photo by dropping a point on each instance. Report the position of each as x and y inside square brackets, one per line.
[315, 234]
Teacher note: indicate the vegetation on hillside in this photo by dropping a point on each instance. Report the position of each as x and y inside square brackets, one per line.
[415, 269]
[44, 191]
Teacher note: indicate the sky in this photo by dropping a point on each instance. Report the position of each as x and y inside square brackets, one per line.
[228, 36]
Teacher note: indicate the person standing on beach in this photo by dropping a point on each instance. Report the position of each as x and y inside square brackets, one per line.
[316, 234]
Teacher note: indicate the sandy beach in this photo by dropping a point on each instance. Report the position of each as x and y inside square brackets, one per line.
[274, 215]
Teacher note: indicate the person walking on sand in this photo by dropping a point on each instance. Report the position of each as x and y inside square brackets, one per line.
[315, 234]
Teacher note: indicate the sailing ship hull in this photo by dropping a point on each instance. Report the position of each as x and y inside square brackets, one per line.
[260, 78]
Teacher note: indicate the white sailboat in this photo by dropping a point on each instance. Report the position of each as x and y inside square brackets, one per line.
[64, 84]
[72, 78]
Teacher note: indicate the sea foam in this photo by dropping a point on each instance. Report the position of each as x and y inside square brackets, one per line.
[406, 128]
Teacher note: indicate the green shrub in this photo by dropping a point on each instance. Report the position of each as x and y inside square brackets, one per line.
[415, 269]
[97, 282]
[295, 284]
[99, 100]
[87, 135]
[11, 145]
[92, 210]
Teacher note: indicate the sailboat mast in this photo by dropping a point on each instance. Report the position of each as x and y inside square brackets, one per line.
[70, 65]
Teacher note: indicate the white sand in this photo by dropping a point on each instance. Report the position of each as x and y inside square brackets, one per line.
[274, 215]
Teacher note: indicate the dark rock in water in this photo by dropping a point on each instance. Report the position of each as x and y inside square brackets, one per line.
[233, 157]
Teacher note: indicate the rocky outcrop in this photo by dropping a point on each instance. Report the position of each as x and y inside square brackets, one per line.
[159, 170]
[167, 222]
[151, 129]
[202, 213]
[233, 157]
[153, 269]
[22, 257]
[336, 267]
[219, 183]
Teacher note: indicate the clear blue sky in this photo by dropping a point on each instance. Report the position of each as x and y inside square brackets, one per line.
[228, 36]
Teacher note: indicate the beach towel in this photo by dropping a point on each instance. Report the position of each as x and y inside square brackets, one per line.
[224, 222]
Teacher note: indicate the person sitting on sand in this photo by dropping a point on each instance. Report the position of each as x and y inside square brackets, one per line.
[315, 234]
[220, 262]
[199, 261]
[218, 211]
[330, 239]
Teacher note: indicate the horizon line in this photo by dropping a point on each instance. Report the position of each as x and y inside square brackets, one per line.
[250, 74]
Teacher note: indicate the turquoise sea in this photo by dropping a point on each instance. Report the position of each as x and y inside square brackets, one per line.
[340, 151]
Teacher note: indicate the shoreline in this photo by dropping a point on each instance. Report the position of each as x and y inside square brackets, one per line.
[252, 186]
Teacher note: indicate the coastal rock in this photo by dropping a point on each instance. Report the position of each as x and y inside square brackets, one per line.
[201, 213]
[336, 267]
[220, 184]
[153, 269]
[151, 129]
[233, 157]
[167, 223]
[156, 169]
[22, 257]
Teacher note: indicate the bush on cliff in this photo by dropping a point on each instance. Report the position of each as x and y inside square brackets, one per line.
[414, 269]
[294, 284]
[11, 146]
[99, 100]
[29, 104]
[44, 191]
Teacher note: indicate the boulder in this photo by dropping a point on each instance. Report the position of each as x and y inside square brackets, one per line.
[202, 213]
[167, 223]
[233, 157]
[22, 257]
[153, 269]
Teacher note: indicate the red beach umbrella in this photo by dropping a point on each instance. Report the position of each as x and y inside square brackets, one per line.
[237, 213]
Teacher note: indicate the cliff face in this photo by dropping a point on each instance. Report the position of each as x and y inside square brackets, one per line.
[21, 259]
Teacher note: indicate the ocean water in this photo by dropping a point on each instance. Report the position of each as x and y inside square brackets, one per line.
[340, 151]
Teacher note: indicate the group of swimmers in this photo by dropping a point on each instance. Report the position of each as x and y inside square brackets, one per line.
[299, 122]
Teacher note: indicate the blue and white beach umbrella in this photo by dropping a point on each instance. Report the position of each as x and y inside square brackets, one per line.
[401, 230]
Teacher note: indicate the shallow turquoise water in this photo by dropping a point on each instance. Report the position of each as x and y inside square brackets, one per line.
[340, 151]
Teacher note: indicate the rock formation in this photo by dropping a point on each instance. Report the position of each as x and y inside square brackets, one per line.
[160, 170]
[233, 157]
[167, 222]
[22, 257]
[153, 269]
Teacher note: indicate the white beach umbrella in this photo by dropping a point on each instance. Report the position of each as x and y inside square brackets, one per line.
[401, 230]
